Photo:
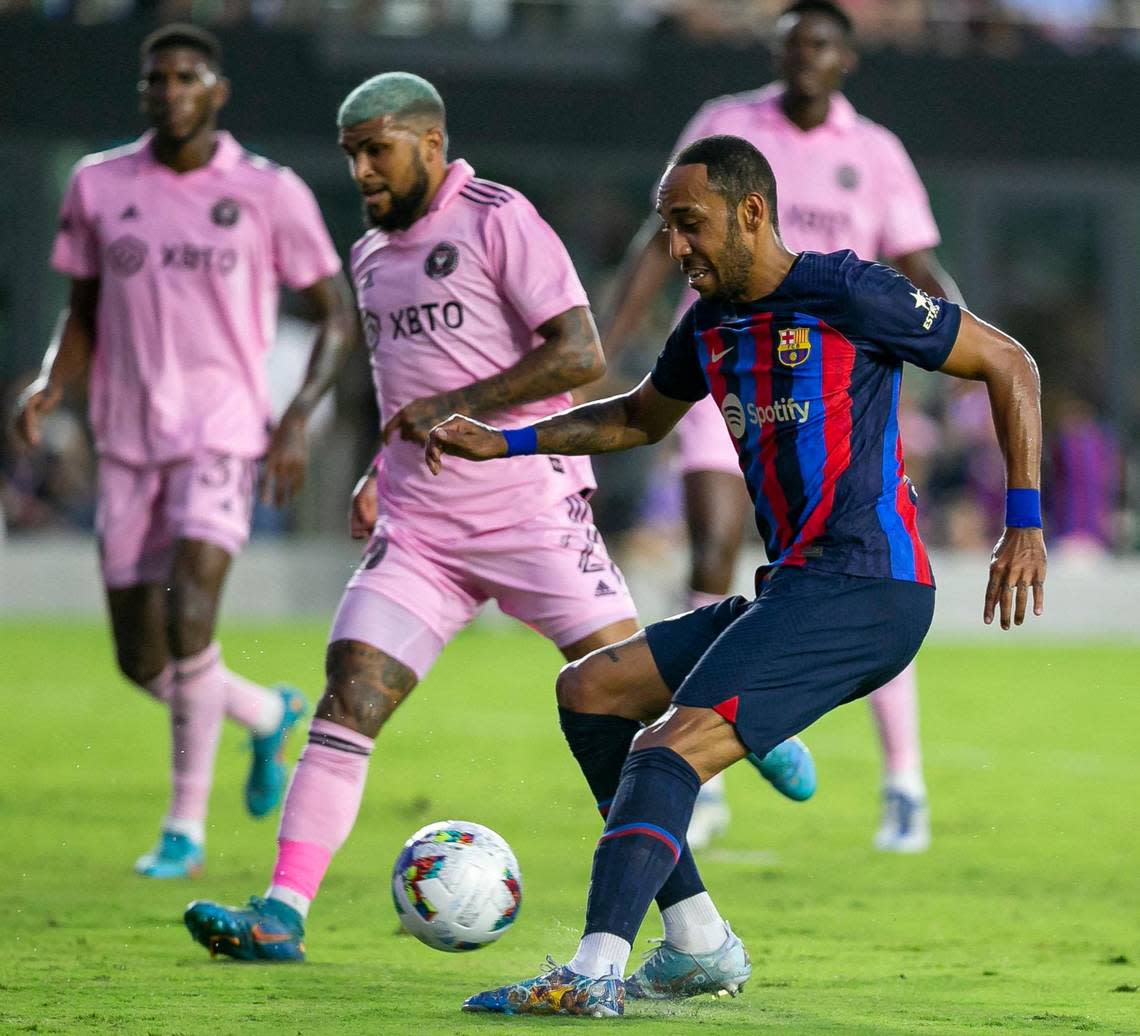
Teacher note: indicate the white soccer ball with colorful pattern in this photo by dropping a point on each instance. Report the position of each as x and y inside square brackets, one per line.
[456, 886]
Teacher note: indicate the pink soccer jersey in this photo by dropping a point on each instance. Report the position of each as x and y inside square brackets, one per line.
[456, 298]
[189, 267]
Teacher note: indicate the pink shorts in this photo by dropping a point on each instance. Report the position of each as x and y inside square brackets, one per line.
[704, 441]
[409, 596]
[141, 512]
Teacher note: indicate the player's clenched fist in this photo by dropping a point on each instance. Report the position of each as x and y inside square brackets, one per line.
[463, 437]
[38, 399]
[1017, 569]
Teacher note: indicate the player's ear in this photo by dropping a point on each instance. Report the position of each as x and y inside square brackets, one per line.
[752, 211]
[220, 93]
[434, 143]
[850, 60]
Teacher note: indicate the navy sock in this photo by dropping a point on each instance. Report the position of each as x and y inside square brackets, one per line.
[643, 840]
[601, 744]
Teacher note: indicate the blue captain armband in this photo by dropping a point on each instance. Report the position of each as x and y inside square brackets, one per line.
[1023, 509]
[521, 441]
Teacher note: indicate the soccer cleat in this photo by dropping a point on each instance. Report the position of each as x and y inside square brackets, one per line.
[789, 768]
[905, 825]
[710, 817]
[266, 782]
[265, 930]
[670, 974]
[558, 991]
[175, 856]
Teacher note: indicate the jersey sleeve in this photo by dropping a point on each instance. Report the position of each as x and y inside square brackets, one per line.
[677, 372]
[893, 320]
[303, 252]
[530, 264]
[908, 223]
[75, 252]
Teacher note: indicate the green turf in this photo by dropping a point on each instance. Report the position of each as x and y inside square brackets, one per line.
[1022, 919]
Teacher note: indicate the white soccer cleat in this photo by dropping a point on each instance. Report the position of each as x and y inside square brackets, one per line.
[905, 824]
[710, 815]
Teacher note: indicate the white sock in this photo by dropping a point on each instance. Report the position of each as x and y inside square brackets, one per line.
[909, 782]
[269, 716]
[600, 954]
[193, 829]
[291, 898]
[712, 791]
[694, 925]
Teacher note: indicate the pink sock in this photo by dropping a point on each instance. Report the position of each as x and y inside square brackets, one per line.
[895, 707]
[698, 599]
[161, 687]
[255, 707]
[196, 723]
[320, 809]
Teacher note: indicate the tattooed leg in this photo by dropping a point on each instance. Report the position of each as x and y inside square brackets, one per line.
[605, 678]
[363, 686]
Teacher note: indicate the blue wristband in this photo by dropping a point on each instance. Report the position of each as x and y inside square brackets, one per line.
[1023, 509]
[521, 441]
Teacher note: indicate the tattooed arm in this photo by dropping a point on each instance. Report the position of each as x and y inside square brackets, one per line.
[570, 355]
[638, 418]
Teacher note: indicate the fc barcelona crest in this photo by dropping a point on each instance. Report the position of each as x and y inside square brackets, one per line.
[794, 346]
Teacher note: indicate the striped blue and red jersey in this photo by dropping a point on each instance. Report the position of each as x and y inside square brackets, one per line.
[807, 379]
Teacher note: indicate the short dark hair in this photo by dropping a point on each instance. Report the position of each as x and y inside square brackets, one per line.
[828, 8]
[181, 34]
[735, 169]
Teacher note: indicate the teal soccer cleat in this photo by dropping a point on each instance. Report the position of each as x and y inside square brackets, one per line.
[789, 768]
[559, 991]
[175, 856]
[266, 930]
[669, 974]
[266, 782]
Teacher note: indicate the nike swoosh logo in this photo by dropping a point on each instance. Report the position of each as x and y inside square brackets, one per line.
[261, 935]
[714, 357]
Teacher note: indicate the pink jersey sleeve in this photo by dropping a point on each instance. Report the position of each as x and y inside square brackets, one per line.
[908, 223]
[303, 252]
[531, 265]
[75, 252]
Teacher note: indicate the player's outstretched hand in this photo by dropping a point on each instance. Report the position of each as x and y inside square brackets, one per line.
[285, 463]
[39, 398]
[1016, 568]
[362, 513]
[463, 437]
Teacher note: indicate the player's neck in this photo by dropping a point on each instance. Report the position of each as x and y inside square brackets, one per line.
[806, 112]
[184, 156]
[770, 266]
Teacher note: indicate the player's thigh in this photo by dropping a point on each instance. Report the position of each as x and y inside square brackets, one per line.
[135, 541]
[619, 679]
[364, 686]
[810, 642]
[405, 599]
[209, 499]
[554, 573]
[138, 626]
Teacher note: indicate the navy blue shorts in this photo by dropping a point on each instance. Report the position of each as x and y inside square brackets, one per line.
[809, 642]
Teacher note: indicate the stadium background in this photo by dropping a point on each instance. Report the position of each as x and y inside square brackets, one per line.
[1018, 114]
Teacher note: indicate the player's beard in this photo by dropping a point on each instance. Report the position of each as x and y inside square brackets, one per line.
[403, 209]
[733, 265]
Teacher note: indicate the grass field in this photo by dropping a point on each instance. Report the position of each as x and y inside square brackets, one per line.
[1023, 918]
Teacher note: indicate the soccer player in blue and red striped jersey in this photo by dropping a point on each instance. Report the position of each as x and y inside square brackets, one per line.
[803, 354]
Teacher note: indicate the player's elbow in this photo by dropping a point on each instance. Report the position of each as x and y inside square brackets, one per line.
[588, 364]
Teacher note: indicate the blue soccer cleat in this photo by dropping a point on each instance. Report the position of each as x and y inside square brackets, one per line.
[905, 824]
[266, 782]
[175, 856]
[670, 974]
[789, 768]
[559, 991]
[266, 930]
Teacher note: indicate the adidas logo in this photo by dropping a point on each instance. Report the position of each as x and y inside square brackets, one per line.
[130, 212]
[603, 589]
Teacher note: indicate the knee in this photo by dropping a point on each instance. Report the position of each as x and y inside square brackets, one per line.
[139, 666]
[191, 617]
[577, 689]
[363, 687]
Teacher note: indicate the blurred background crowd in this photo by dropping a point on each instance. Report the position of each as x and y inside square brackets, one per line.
[1019, 115]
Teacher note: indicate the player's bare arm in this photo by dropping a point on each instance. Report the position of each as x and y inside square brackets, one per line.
[638, 418]
[65, 361]
[570, 355]
[330, 303]
[983, 353]
[924, 271]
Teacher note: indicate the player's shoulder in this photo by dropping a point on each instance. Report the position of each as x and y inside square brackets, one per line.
[842, 278]
[877, 137]
[110, 163]
[744, 103]
[486, 197]
[364, 247]
[257, 168]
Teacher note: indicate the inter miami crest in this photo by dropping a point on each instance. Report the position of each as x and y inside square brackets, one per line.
[126, 255]
[226, 212]
[442, 260]
[847, 176]
[794, 346]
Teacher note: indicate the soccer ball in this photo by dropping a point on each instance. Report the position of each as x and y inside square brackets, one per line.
[456, 886]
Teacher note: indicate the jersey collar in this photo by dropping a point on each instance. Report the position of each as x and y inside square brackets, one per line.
[841, 114]
[225, 156]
